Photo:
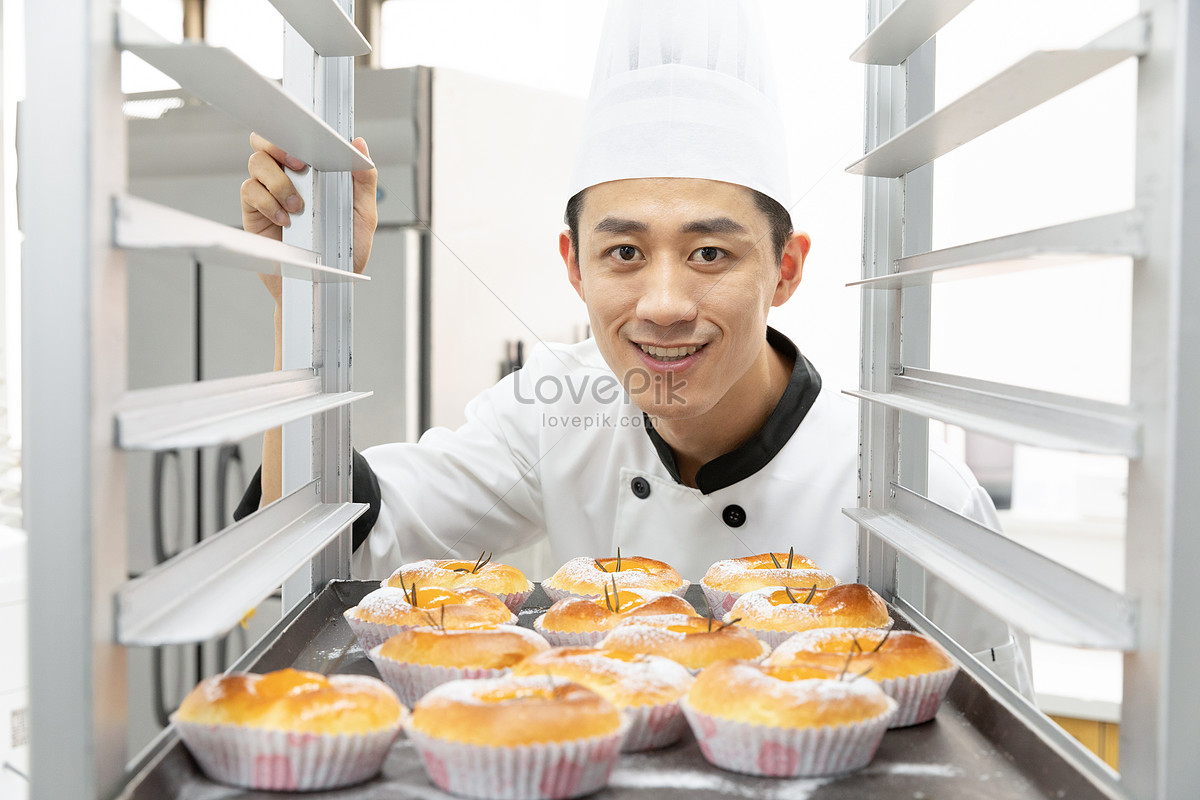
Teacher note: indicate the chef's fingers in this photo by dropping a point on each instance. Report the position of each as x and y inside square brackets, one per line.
[264, 169]
[261, 212]
[274, 151]
[366, 212]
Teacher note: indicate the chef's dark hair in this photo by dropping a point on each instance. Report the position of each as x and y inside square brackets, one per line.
[778, 217]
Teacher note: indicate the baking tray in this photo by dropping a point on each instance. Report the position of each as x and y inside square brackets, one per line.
[974, 748]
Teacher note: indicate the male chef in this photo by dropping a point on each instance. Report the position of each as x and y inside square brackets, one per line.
[686, 429]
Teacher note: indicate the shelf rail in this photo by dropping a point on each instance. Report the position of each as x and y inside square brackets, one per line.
[1085, 240]
[145, 226]
[206, 590]
[326, 27]
[221, 79]
[1025, 85]
[215, 412]
[1013, 413]
[908, 26]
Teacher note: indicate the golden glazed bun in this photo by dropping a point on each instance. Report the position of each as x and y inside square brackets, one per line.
[513, 711]
[464, 608]
[580, 614]
[589, 576]
[887, 654]
[740, 575]
[486, 648]
[742, 692]
[844, 605]
[624, 679]
[499, 579]
[294, 701]
[693, 641]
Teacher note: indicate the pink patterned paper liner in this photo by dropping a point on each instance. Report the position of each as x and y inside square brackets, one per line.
[787, 752]
[372, 634]
[556, 594]
[273, 760]
[719, 600]
[652, 727]
[546, 771]
[568, 638]
[514, 600]
[411, 682]
[918, 696]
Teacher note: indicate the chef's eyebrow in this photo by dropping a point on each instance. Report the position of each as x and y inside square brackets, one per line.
[714, 225]
[616, 225]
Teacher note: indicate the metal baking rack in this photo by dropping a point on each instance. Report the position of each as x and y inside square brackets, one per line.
[974, 748]
[988, 742]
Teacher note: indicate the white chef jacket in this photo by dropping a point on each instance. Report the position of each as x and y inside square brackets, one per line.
[558, 450]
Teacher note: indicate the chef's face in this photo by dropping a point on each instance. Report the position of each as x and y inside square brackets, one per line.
[678, 275]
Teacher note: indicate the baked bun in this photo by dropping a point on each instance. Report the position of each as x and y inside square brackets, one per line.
[693, 641]
[645, 688]
[585, 621]
[535, 737]
[728, 580]
[506, 582]
[387, 611]
[489, 648]
[293, 700]
[748, 720]
[774, 613]
[588, 577]
[415, 660]
[909, 666]
[315, 732]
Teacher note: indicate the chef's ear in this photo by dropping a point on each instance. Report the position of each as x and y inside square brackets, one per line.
[791, 266]
[566, 248]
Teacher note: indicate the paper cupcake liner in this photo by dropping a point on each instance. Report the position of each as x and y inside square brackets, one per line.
[274, 760]
[918, 696]
[719, 600]
[555, 594]
[773, 638]
[652, 727]
[514, 600]
[411, 682]
[546, 771]
[786, 752]
[372, 634]
[568, 638]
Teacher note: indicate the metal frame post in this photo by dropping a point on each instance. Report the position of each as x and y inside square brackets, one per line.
[74, 332]
[1160, 728]
[317, 317]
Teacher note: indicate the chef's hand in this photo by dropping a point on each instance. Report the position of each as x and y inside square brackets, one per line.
[268, 195]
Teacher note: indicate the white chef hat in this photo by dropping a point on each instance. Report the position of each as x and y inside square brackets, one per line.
[684, 89]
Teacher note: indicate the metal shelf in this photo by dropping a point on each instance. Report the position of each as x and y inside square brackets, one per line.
[1040, 419]
[220, 78]
[1111, 235]
[325, 26]
[203, 592]
[1030, 82]
[910, 25]
[221, 411]
[1035, 593]
[142, 225]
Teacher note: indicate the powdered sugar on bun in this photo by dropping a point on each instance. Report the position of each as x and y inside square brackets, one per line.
[588, 576]
[772, 609]
[740, 575]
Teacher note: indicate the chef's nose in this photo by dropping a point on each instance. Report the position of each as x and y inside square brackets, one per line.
[667, 294]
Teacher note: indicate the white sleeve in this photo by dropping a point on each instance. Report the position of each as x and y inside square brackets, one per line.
[456, 493]
[1002, 648]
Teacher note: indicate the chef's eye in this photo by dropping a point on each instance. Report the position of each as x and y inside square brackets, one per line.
[707, 255]
[624, 252]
